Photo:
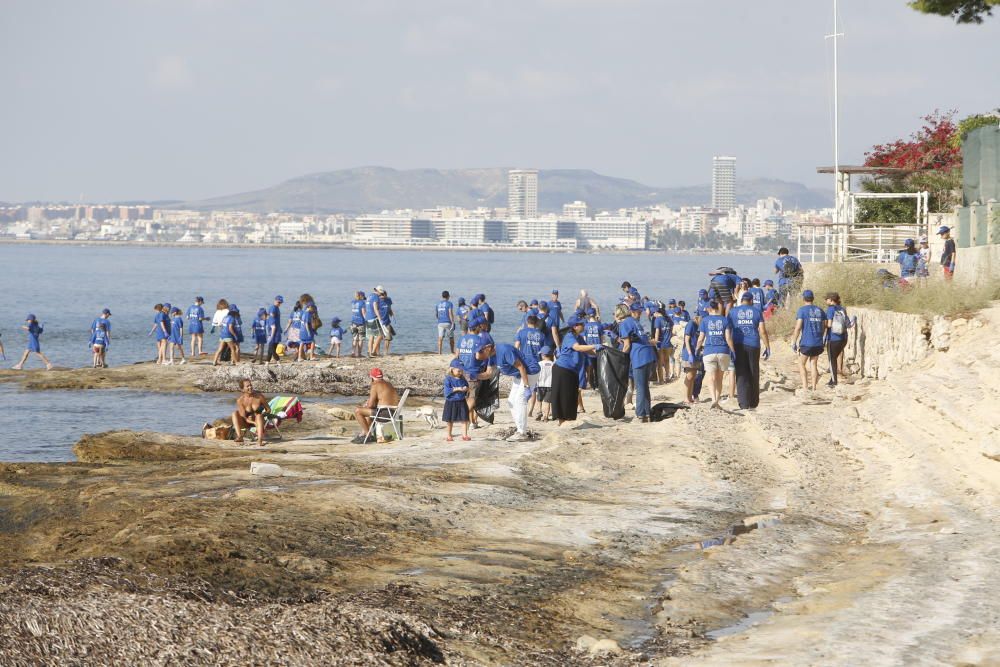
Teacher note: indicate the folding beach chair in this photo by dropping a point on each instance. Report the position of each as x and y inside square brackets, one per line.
[391, 415]
[279, 409]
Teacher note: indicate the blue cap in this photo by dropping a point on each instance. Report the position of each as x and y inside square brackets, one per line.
[703, 292]
[556, 292]
[261, 311]
[543, 304]
[455, 363]
[943, 229]
[545, 349]
[233, 308]
[461, 300]
[672, 302]
[634, 290]
[534, 302]
[200, 299]
[475, 322]
[591, 311]
[279, 299]
[30, 316]
[574, 321]
[909, 243]
[635, 306]
[105, 312]
[769, 282]
[166, 305]
[807, 294]
[334, 319]
[747, 296]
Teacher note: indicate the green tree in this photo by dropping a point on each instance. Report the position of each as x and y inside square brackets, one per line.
[963, 11]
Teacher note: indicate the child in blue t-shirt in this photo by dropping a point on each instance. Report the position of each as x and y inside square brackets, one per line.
[99, 341]
[336, 337]
[34, 330]
[259, 330]
[176, 340]
[456, 390]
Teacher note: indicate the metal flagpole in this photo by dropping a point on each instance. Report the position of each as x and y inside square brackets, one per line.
[836, 140]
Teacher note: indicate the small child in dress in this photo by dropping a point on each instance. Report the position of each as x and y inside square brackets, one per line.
[336, 336]
[176, 335]
[99, 344]
[259, 329]
[544, 383]
[34, 330]
[456, 388]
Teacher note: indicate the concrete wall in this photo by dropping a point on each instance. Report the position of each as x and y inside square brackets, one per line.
[977, 265]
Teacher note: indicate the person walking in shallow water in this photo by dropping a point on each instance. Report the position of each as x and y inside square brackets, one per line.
[34, 330]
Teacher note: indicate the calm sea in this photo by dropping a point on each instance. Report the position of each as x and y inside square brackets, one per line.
[67, 286]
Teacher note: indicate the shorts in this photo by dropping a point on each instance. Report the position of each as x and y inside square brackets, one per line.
[811, 351]
[473, 389]
[446, 329]
[716, 362]
[335, 339]
[373, 329]
[98, 347]
[542, 394]
[357, 331]
[695, 365]
[386, 331]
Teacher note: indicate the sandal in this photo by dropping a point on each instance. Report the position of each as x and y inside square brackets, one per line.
[466, 438]
[449, 439]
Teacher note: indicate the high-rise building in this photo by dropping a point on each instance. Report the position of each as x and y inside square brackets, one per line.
[575, 211]
[522, 193]
[723, 182]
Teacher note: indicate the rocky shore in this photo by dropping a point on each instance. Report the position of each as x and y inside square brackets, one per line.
[851, 525]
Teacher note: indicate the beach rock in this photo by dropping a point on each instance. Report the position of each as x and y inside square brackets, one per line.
[145, 446]
[266, 469]
[605, 646]
[585, 642]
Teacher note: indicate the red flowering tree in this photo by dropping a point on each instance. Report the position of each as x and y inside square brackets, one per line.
[933, 154]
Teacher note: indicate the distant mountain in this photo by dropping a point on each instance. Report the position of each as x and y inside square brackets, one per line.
[372, 189]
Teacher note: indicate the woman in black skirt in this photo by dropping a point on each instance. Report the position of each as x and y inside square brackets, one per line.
[566, 371]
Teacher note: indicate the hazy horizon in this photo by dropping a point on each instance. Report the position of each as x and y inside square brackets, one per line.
[156, 100]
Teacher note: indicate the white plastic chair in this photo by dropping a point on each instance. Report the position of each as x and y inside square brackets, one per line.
[391, 415]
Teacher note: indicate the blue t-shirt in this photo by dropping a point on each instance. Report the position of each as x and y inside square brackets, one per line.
[568, 358]
[813, 325]
[592, 333]
[830, 311]
[759, 300]
[779, 267]
[274, 329]
[100, 337]
[714, 327]
[450, 384]
[259, 328]
[238, 325]
[908, 263]
[371, 307]
[444, 311]
[224, 332]
[690, 338]
[530, 341]
[641, 352]
[358, 311]
[275, 312]
[384, 306]
[555, 311]
[507, 355]
[162, 321]
[770, 296]
[468, 346]
[305, 327]
[745, 320]
[177, 328]
[665, 326]
[702, 308]
[336, 332]
[107, 324]
[195, 316]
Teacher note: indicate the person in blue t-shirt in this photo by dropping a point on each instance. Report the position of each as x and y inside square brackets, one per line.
[663, 331]
[748, 333]
[99, 341]
[227, 337]
[694, 370]
[809, 337]
[555, 308]
[176, 336]
[34, 330]
[358, 324]
[161, 327]
[701, 308]
[273, 332]
[258, 329]
[196, 326]
[511, 362]
[909, 261]
[456, 407]
[485, 312]
[462, 315]
[565, 390]
[790, 274]
[838, 323]
[445, 311]
[372, 328]
[385, 313]
[336, 337]
[529, 341]
[757, 296]
[475, 351]
[593, 333]
[716, 345]
[642, 354]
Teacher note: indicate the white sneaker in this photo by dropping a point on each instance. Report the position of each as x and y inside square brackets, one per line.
[168, 363]
[518, 437]
[183, 361]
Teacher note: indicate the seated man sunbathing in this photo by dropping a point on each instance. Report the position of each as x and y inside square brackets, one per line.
[251, 407]
[381, 394]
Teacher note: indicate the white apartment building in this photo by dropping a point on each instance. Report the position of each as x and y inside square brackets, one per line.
[575, 211]
[723, 182]
[620, 232]
[522, 193]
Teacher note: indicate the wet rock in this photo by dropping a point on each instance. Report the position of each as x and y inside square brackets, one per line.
[145, 446]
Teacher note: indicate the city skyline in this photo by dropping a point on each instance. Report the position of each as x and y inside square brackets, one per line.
[197, 98]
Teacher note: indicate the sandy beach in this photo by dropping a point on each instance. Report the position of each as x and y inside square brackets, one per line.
[851, 525]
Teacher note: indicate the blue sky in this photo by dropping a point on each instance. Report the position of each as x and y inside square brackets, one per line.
[148, 99]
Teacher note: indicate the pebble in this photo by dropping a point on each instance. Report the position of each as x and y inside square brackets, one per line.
[605, 646]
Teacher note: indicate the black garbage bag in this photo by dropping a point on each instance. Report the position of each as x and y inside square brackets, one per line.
[488, 398]
[662, 411]
[612, 380]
